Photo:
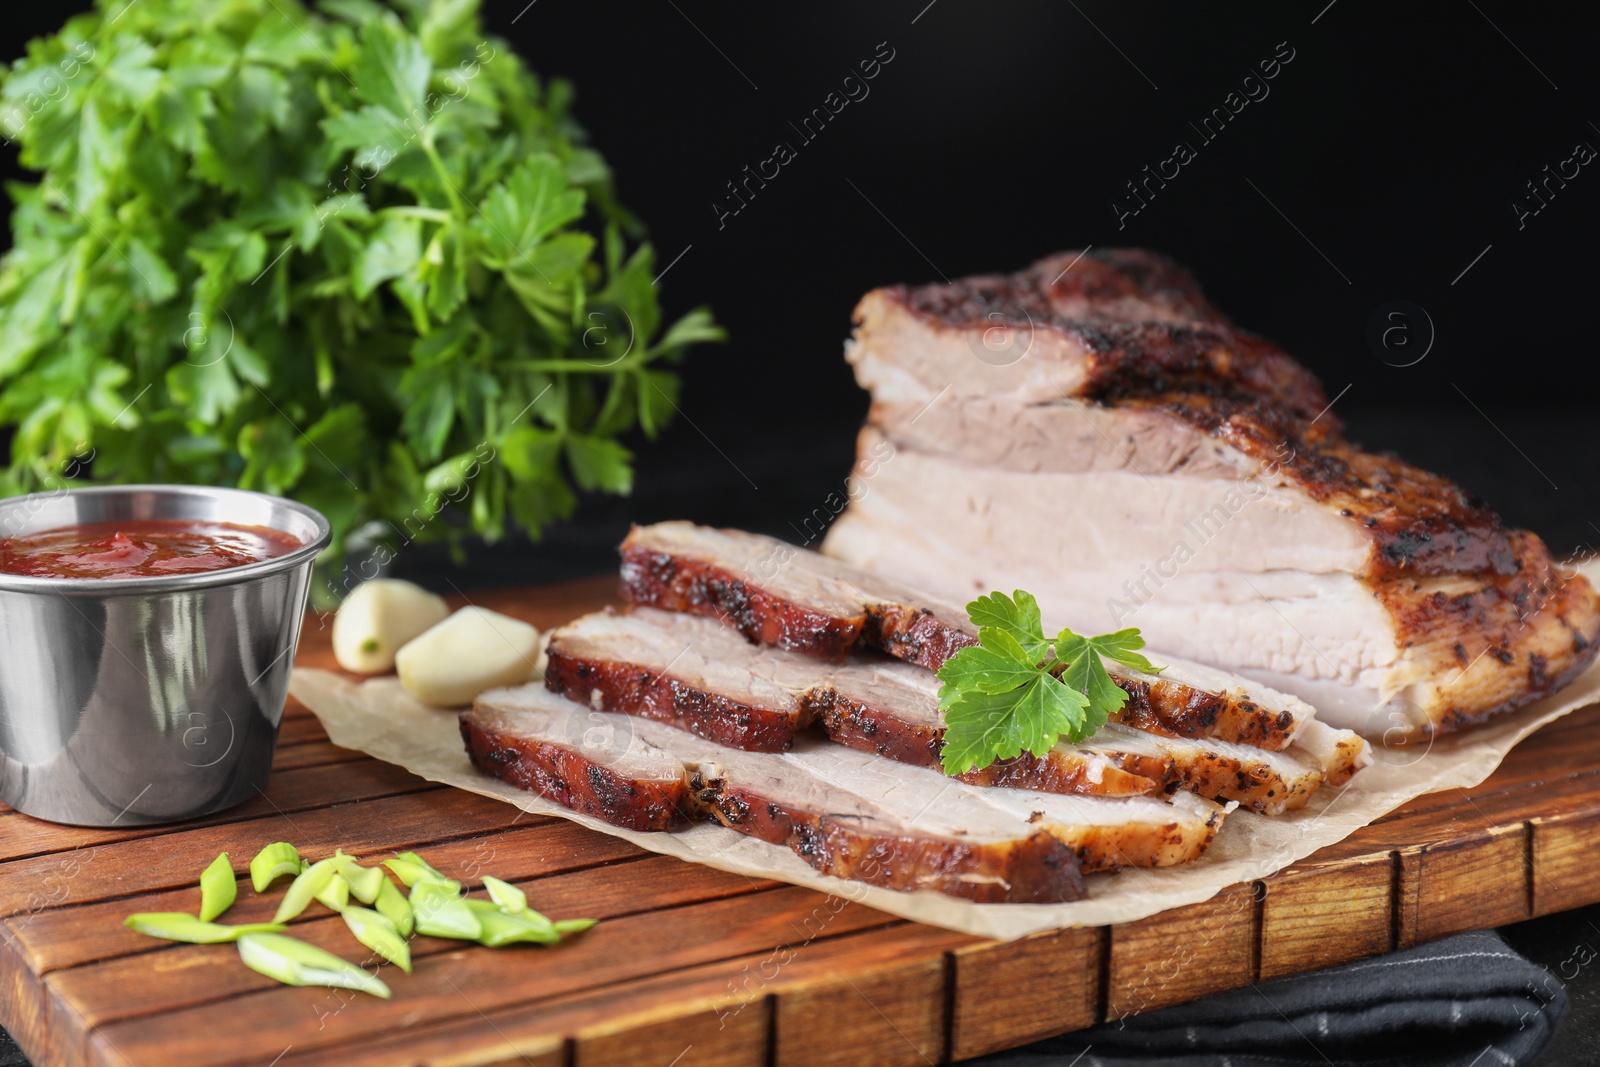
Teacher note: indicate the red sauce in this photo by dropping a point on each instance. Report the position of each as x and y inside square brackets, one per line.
[141, 548]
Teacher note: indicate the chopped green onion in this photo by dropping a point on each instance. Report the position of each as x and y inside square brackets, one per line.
[508, 896]
[181, 926]
[365, 882]
[441, 913]
[379, 934]
[218, 888]
[294, 962]
[411, 868]
[393, 905]
[274, 860]
[527, 915]
[508, 928]
[436, 907]
[336, 894]
[306, 886]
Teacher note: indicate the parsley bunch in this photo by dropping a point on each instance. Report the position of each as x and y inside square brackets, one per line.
[355, 254]
[1015, 691]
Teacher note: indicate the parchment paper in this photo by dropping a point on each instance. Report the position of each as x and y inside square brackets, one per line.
[376, 717]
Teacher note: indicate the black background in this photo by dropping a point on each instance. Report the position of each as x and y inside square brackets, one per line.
[1383, 162]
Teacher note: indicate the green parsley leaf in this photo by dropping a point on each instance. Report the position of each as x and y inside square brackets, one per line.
[983, 727]
[1017, 614]
[366, 221]
[392, 70]
[1016, 692]
[1084, 672]
[1122, 646]
[996, 664]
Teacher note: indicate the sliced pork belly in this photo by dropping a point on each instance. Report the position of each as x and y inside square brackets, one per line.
[777, 594]
[1105, 833]
[948, 840]
[846, 812]
[770, 590]
[703, 679]
[1229, 572]
[1132, 459]
[588, 762]
[890, 709]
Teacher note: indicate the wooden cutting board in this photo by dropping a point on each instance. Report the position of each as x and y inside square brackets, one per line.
[692, 966]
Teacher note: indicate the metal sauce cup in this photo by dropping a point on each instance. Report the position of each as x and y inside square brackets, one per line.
[131, 701]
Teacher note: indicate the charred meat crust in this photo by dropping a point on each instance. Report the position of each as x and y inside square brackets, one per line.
[1154, 342]
[913, 634]
[1419, 523]
[570, 779]
[1099, 850]
[1107, 274]
[1178, 710]
[679, 583]
[1525, 635]
[1038, 869]
[654, 694]
[1255, 787]
[870, 729]
[1051, 774]
[1053, 291]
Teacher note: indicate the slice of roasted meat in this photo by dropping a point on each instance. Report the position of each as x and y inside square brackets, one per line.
[845, 812]
[890, 709]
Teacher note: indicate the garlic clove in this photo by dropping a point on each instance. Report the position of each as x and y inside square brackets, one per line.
[377, 618]
[472, 651]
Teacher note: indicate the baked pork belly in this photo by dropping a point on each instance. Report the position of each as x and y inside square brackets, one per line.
[845, 812]
[589, 762]
[703, 679]
[585, 760]
[775, 593]
[890, 709]
[1092, 430]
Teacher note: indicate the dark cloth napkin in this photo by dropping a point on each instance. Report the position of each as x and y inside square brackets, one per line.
[1464, 1001]
[10, 1054]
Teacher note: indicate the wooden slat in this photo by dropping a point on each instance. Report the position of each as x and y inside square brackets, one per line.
[257, 1026]
[289, 791]
[1067, 962]
[312, 754]
[1182, 954]
[892, 1012]
[682, 1035]
[1564, 846]
[1442, 885]
[707, 1003]
[696, 965]
[300, 730]
[142, 865]
[177, 976]
[60, 939]
[1315, 915]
